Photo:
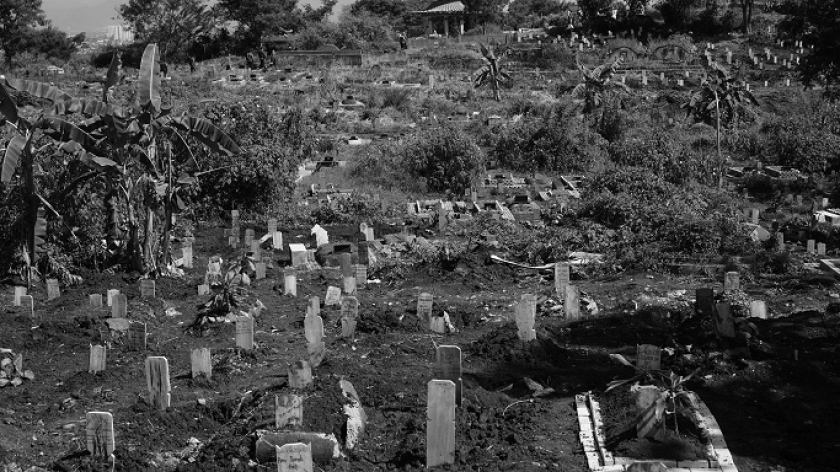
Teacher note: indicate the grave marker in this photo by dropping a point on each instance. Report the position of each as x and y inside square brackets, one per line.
[95, 300]
[562, 276]
[754, 216]
[260, 270]
[449, 368]
[821, 249]
[272, 225]
[300, 374]
[245, 332]
[256, 249]
[731, 282]
[99, 434]
[360, 271]
[349, 316]
[317, 351]
[333, 296]
[19, 292]
[97, 359]
[571, 303]
[349, 285]
[811, 246]
[277, 240]
[294, 457]
[288, 411]
[119, 306]
[526, 312]
[157, 382]
[203, 289]
[321, 235]
[780, 241]
[202, 363]
[724, 324]
[648, 357]
[147, 288]
[187, 255]
[249, 237]
[314, 306]
[440, 426]
[53, 291]
[290, 281]
[425, 302]
[758, 309]
[137, 336]
[346, 264]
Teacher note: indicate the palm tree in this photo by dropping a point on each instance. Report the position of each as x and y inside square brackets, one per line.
[490, 74]
[717, 103]
[597, 85]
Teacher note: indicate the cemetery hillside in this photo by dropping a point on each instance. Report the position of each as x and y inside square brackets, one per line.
[409, 235]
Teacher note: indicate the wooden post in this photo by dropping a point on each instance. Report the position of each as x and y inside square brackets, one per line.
[187, 255]
[440, 426]
[202, 363]
[526, 312]
[157, 382]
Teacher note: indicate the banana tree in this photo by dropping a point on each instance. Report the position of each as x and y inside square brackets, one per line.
[596, 85]
[491, 73]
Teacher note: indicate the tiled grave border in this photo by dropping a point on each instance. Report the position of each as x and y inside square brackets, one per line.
[601, 460]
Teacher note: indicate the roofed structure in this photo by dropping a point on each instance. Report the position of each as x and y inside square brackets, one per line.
[445, 10]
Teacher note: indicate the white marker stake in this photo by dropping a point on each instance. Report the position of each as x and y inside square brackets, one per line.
[440, 426]
[97, 359]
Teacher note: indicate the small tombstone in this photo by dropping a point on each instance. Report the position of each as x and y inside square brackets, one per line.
[571, 303]
[780, 241]
[754, 216]
[648, 357]
[448, 360]
[313, 327]
[245, 332]
[187, 256]
[28, 302]
[799, 199]
[425, 303]
[260, 270]
[724, 323]
[147, 288]
[346, 264]
[157, 382]
[97, 359]
[561, 277]
[820, 249]
[333, 296]
[317, 351]
[294, 457]
[811, 246]
[95, 300]
[360, 271]
[300, 374]
[349, 285]
[272, 225]
[202, 363]
[440, 426]
[290, 281]
[99, 434]
[277, 240]
[232, 241]
[731, 282]
[314, 306]
[137, 336]
[19, 292]
[256, 249]
[203, 289]
[234, 216]
[249, 237]
[758, 309]
[526, 312]
[349, 316]
[321, 235]
[53, 291]
[288, 411]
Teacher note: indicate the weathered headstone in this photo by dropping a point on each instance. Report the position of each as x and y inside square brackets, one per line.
[648, 357]
[256, 249]
[448, 367]
[724, 324]
[147, 288]
[314, 307]
[260, 270]
[202, 363]
[203, 289]
[526, 312]
[333, 296]
[360, 272]
[349, 316]
[288, 411]
[346, 261]
[290, 281]
[99, 434]
[110, 296]
[571, 303]
[754, 214]
[295, 457]
[561, 277]
[19, 292]
[249, 237]
[731, 282]
[811, 246]
[157, 382]
[187, 255]
[97, 359]
[820, 249]
[349, 284]
[95, 300]
[321, 235]
[440, 426]
[245, 332]
[53, 291]
[300, 374]
[780, 241]
[758, 309]
[314, 331]
[425, 303]
[136, 336]
[317, 351]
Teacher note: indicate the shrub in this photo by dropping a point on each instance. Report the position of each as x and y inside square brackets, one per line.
[445, 158]
[662, 155]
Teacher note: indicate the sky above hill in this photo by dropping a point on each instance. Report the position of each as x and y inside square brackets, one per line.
[74, 16]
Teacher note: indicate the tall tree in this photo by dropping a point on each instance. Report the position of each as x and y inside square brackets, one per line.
[172, 24]
[819, 22]
[260, 18]
[746, 14]
[16, 17]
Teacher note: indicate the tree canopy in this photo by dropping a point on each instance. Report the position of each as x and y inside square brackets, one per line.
[16, 18]
[260, 18]
[819, 23]
[172, 24]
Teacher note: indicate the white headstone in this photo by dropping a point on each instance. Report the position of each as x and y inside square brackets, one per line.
[349, 285]
[97, 359]
[571, 303]
[95, 300]
[19, 292]
[290, 281]
[561, 277]
[440, 426]
[147, 288]
[648, 357]
[526, 312]
[245, 332]
[758, 309]
[157, 382]
[425, 303]
[277, 240]
[187, 256]
[288, 411]
[295, 457]
[333, 296]
[201, 363]
[321, 235]
[53, 291]
[731, 282]
[119, 306]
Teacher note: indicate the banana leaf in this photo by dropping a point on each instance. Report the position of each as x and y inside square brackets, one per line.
[208, 134]
[149, 83]
[63, 130]
[8, 107]
[11, 158]
[85, 107]
[38, 89]
[113, 75]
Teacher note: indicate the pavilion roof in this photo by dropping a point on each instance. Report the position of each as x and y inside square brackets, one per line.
[444, 7]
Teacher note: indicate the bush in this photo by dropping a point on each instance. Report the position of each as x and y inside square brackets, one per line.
[664, 156]
[445, 158]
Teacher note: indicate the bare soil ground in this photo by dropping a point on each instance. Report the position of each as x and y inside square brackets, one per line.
[776, 412]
